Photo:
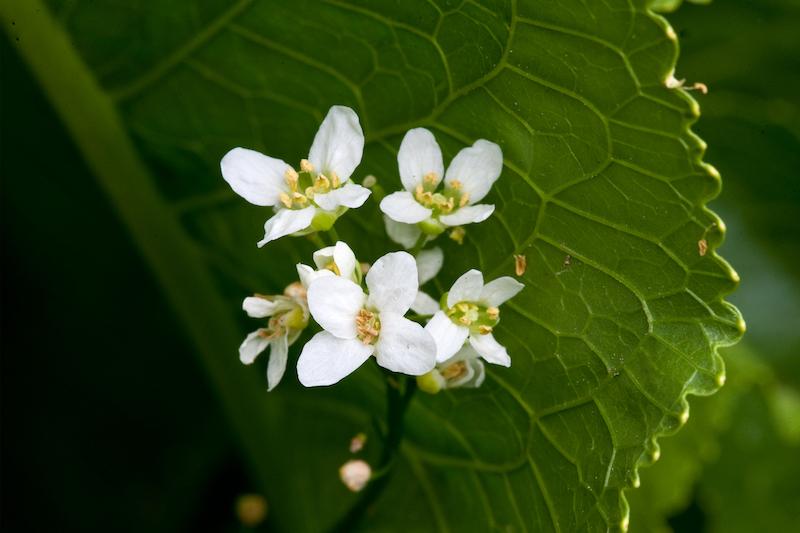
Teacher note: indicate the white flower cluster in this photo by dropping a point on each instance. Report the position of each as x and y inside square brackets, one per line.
[362, 310]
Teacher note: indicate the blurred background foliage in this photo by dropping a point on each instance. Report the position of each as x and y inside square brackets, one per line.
[110, 424]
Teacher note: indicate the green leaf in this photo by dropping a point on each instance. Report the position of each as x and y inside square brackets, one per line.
[603, 191]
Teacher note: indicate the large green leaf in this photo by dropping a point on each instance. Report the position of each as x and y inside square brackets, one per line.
[603, 190]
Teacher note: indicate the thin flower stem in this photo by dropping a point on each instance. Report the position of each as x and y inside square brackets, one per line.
[419, 244]
[398, 397]
[317, 240]
[333, 235]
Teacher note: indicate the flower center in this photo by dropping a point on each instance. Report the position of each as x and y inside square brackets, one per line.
[454, 371]
[305, 184]
[477, 318]
[368, 326]
[441, 203]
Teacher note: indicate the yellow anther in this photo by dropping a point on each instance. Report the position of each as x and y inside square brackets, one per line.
[431, 178]
[291, 176]
[335, 181]
[455, 370]
[309, 192]
[465, 320]
[285, 199]
[457, 234]
[306, 166]
[493, 312]
[455, 184]
[464, 200]
[368, 326]
[322, 183]
[484, 330]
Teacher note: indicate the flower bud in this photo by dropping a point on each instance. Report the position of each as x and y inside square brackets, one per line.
[251, 509]
[432, 382]
[355, 474]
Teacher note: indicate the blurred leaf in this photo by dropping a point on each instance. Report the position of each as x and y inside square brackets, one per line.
[603, 191]
[755, 483]
[751, 116]
[669, 486]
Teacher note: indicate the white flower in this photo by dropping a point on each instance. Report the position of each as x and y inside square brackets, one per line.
[338, 260]
[358, 325]
[311, 199]
[429, 263]
[468, 179]
[472, 312]
[465, 369]
[288, 317]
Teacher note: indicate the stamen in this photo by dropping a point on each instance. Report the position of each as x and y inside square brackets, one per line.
[430, 178]
[368, 326]
[285, 200]
[335, 181]
[322, 183]
[454, 371]
[306, 166]
[493, 313]
[484, 330]
[291, 177]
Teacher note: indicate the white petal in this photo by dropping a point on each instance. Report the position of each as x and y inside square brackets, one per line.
[419, 155]
[339, 143]
[480, 373]
[341, 255]
[403, 234]
[334, 303]
[256, 307]
[448, 336]
[490, 349]
[467, 288]
[285, 222]
[325, 359]
[467, 215]
[477, 168]
[498, 291]
[307, 274]
[257, 178]
[277, 361]
[402, 207]
[404, 346]
[424, 304]
[323, 256]
[345, 260]
[429, 263]
[350, 195]
[252, 346]
[392, 282]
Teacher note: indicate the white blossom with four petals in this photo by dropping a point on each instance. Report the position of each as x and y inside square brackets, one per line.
[337, 260]
[468, 180]
[288, 317]
[311, 199]
[357, 326]
[464, 370]
[472, 312]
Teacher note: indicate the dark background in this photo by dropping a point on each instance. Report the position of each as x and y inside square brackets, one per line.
[109, 424]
